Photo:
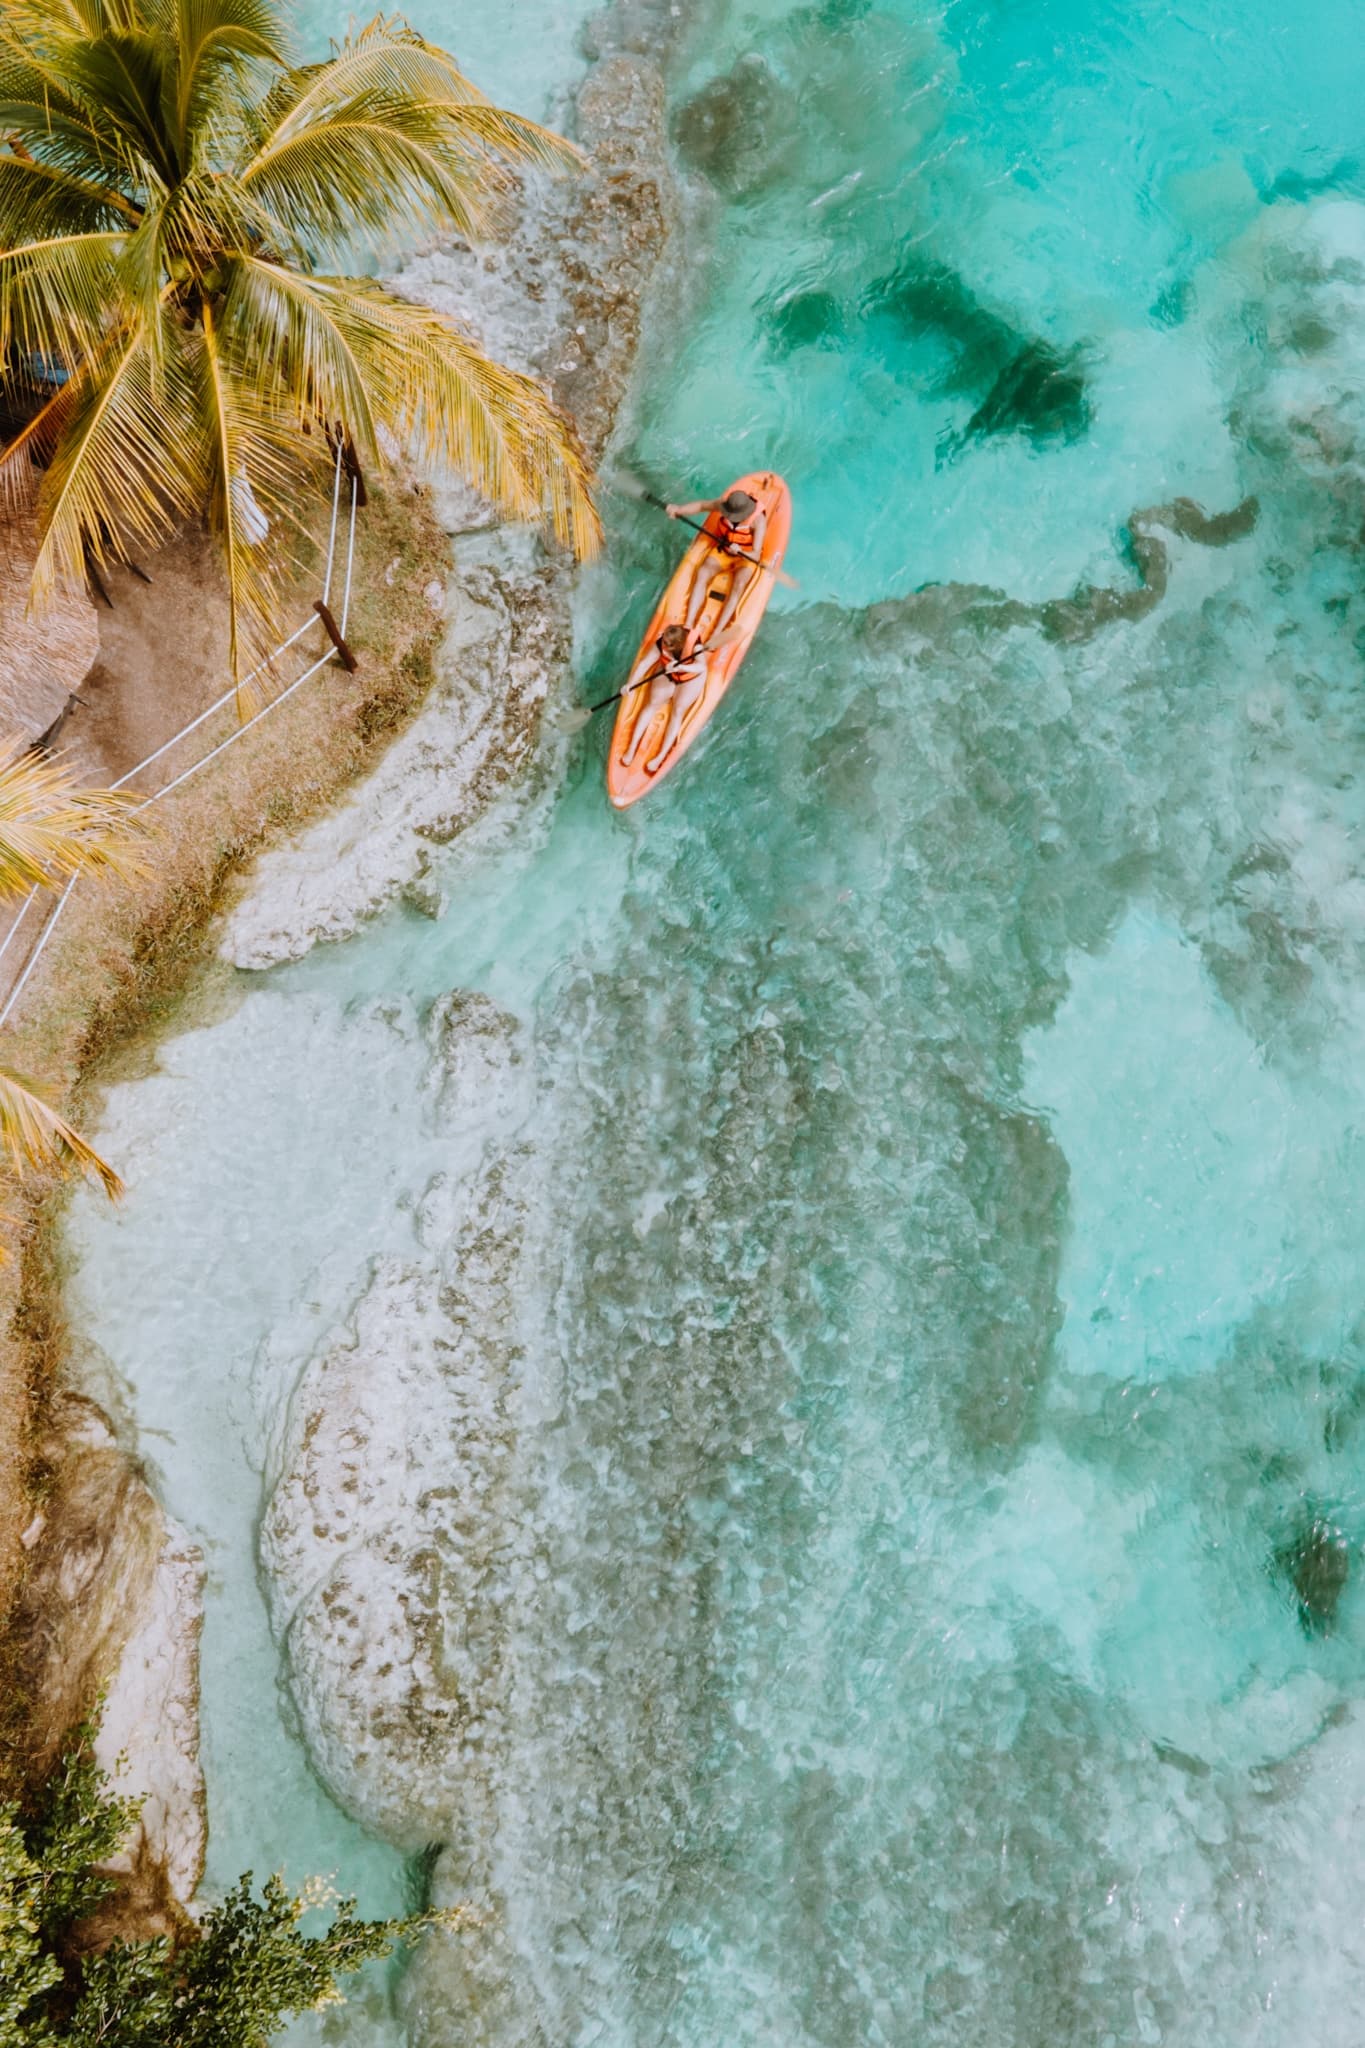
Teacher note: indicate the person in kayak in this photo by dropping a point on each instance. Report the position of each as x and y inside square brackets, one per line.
[735, 527]
[674, 677]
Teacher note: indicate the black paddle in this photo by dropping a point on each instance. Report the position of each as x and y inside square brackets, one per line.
[631, 487]
[573, 717]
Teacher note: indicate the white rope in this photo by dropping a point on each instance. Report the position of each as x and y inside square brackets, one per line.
[332, 536]
[255, 719]
[283, 648]
[36, 955]
[195, 723]
[350, 557]
[216, 705]
[236, 734]
[23, 913]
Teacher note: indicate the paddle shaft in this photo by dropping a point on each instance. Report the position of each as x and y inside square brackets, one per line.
[721, 640]
[696, 525]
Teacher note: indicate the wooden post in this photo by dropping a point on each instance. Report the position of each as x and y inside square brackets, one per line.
[351, 463]
[344, 654]
[92, 571]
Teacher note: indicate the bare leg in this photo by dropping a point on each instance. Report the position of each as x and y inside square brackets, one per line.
[740, 584]
[696, 597]
[684, 697]
[657, 696]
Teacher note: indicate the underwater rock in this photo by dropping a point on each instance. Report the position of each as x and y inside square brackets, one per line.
[148, 1734]
[507, 638]
[380, 1543]
[375, 1545]
[1040, 394]
[1005, 1304]
[611, 234]
[1316, 1562]
[806, 320]
[739, 129]
[1093, 606]
[1028, 386]
[923, 296]
[357, 1591]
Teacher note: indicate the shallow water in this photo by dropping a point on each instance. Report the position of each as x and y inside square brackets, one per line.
[942, 1479]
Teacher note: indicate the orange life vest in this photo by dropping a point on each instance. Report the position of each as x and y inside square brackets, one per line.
[684, 668]
[726, 536]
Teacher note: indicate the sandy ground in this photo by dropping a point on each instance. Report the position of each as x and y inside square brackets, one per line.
[163, 656]
[124, 951]
[162, 659]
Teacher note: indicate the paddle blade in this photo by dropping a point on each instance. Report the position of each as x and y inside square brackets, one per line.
[629, 486]
[570, 717]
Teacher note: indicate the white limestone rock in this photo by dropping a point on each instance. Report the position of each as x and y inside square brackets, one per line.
[506, 295]
[560, 299]
[506, 640]
[148, 1737]
[113, 1604]
[381, 1539]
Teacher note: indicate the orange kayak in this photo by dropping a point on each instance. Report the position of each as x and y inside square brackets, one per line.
[626, 785]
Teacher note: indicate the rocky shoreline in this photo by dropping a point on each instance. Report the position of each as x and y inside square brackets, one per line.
[113, 1592]
[561, 299]
[388, 1566]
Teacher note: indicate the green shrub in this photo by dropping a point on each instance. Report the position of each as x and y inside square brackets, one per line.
[245, 1969]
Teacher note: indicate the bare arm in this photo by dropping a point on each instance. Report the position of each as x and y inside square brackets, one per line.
[645, 669]
[690, 511]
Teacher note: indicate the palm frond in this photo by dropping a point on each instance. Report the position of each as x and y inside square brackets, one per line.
[209, 38]
[45, 22]
[282, 329]
[43, 109]
[52, 828]
[389, 136]
[37, 21]
[57, 297]
[123, 74]
[31, 449]
[390, 59]
[130, 462]
[513, 137]
[435, 389]
[383, 56]
[38, 1139]
[260, 468]
[209, 217]
[379, 167]
[39, 201]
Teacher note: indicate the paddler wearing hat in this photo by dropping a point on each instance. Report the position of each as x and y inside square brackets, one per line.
[735, 527]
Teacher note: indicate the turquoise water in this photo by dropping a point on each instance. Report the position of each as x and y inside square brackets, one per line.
[937, 1599]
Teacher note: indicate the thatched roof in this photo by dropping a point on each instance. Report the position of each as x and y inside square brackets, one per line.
[44, 656]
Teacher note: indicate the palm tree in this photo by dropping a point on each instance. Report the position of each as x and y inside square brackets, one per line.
[178, 202]
[51, 830]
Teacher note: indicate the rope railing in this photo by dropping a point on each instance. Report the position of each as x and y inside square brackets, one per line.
[239, 732]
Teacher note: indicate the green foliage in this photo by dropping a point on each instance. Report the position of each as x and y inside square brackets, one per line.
[232, 1984]
[77, 1827]
[28, 1971]
[181, 203]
